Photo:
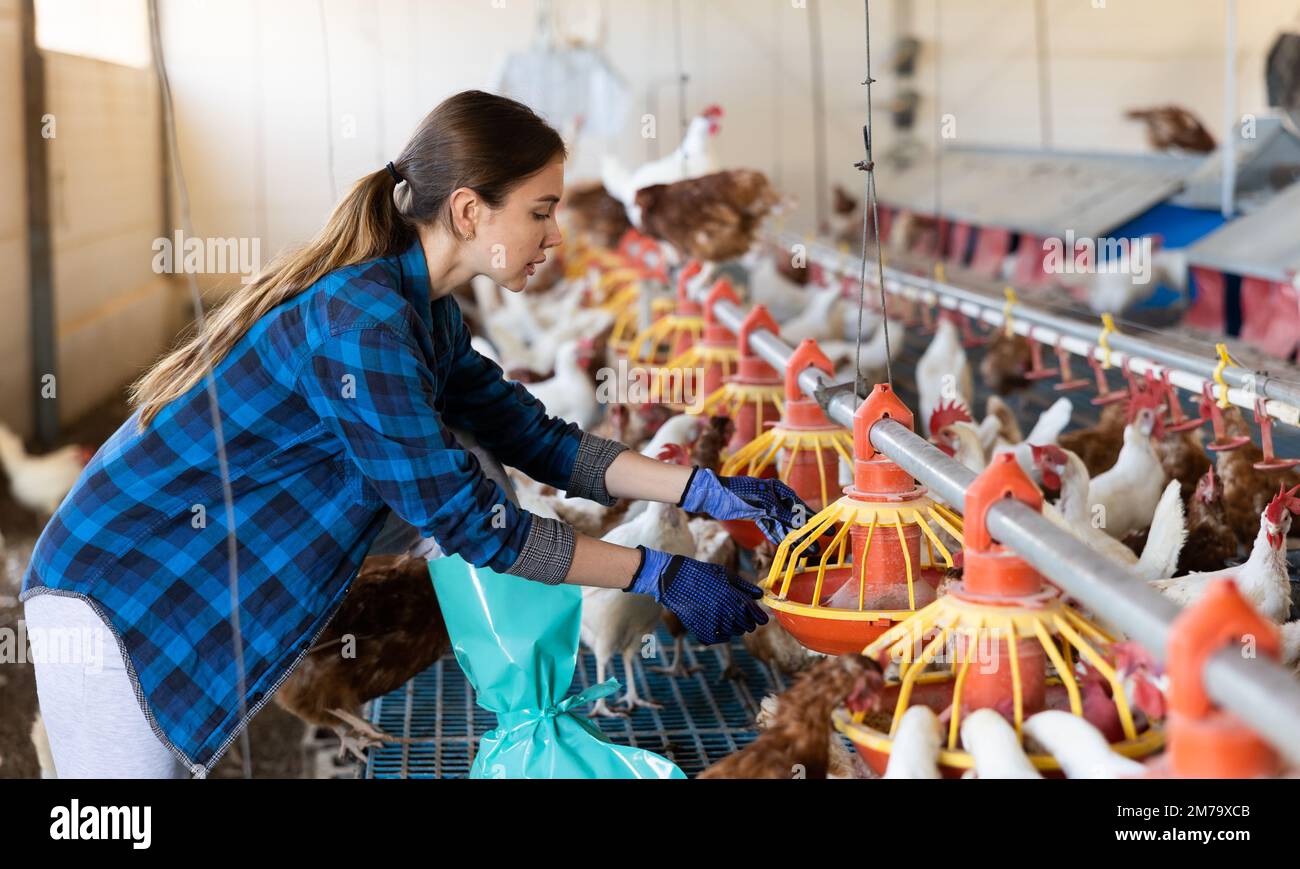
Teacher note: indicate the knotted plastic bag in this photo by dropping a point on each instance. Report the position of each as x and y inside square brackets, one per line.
[517, 642]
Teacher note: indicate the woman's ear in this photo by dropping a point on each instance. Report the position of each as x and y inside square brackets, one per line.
[464, 212]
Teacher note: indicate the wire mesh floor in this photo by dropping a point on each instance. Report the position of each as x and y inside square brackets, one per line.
[704, 718]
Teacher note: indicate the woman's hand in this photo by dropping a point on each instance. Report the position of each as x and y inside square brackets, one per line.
[713, 604]
[773, 505]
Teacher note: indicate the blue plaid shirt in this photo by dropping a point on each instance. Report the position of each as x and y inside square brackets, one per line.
[333, 408]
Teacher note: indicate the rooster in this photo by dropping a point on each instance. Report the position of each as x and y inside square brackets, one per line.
[1264, 579]
[618, 622]
[711, 218]
[40, 483]
[694, 157]
[388, 629]
[796, 744]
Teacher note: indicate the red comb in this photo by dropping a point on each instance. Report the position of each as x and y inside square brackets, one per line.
[1282, 500]
[675, 453]
[946, 414]
[1048, 453]
[712, 112]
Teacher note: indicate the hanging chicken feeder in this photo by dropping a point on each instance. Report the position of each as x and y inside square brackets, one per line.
[700, 370]
[674, 333]
[808, 444]
[881, 556]
[1024, 640]
[751, 398]
[1205, 741]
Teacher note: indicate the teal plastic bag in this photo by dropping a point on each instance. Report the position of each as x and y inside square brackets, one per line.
[517, 642]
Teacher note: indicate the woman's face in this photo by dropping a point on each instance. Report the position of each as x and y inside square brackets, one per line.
[512, 241]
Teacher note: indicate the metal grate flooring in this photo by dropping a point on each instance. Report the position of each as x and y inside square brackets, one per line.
[705, 717]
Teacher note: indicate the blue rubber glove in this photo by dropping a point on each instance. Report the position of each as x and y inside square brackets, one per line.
[773, 505]
[713, 605]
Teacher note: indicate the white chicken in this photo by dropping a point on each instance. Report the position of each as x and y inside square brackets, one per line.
[842, 353]
[1127, 493]
[619, 622]
[915, 752]
[821, 318]
[943, 372]
[1078, 747]
[570, 394]
[1047, 428]
[1063, 470]
[767, 286]
[1291, 645]
[693, 158]
[992, 743]
[40, 483]
[1264, 579]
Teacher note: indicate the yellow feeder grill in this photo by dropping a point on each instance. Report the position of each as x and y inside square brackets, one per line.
[1018, 631]
[753, 395]
[696, 373]
[674, 333]
[809, 445]
[882, 549]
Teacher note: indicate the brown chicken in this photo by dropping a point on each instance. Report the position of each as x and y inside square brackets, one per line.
[708, 447]
[1246, 491]
[1170, 127]
[596, 214]
[1099, 445]
[711, 218]
[1183, 456]
[1005, 363]
[388, 629]
[795, 744]
[1211, 542]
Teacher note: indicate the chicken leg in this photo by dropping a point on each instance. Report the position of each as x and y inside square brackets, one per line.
[601, 709]
[677, 668]
[356, 735]
[632, 698]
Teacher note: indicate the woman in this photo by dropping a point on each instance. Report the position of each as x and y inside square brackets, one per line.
[337, 371]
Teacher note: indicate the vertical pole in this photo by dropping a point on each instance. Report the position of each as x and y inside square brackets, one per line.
[1229, 150]
[1044, 75]
[40, 258]
[819, 115]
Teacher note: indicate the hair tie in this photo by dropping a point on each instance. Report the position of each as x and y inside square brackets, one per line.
[392, 170]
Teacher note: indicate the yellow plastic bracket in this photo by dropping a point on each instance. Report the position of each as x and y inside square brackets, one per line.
[1224, 361]
[1103, 340]
[1008, 328]
[940, 274]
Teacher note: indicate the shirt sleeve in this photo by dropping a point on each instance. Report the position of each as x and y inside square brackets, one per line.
[373, 390]
[513, 425]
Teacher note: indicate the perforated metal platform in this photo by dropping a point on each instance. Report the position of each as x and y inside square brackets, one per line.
[704, 717]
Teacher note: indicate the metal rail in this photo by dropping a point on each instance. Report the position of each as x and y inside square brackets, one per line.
[1190, 372]
[1261, 692]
